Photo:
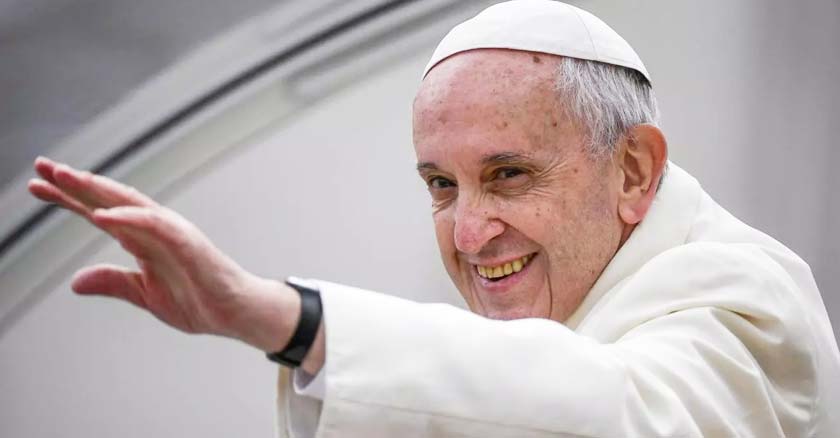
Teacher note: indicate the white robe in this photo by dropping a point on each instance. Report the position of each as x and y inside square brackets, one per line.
[699, 326]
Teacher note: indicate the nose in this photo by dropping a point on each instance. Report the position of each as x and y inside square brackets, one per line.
[476, 223]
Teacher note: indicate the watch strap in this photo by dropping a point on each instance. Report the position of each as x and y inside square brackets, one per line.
[307, 328]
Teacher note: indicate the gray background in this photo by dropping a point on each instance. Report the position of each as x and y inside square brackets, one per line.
[749, 97]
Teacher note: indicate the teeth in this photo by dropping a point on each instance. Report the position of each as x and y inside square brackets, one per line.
[502, 270]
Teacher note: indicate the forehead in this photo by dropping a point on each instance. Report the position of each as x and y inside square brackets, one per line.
[490, 101]
[488, 74]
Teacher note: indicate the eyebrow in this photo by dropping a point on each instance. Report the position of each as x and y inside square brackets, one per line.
[505, 158]
[426, 165]
[500, 158]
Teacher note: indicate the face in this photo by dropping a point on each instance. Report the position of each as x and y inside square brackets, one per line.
[525, 219]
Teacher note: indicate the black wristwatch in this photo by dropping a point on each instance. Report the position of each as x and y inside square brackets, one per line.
[307, 327]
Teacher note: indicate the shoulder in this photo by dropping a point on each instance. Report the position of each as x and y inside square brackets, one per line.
[741, 277]
[714, 263]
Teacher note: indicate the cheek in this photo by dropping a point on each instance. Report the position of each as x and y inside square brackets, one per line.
[535, 219]
[559, 226]
[583, 233]
[445, 234]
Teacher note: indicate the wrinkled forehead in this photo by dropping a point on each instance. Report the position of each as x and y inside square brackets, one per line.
[488, 74]
[490, 101]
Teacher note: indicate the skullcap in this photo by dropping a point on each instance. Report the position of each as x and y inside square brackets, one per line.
[544, 26]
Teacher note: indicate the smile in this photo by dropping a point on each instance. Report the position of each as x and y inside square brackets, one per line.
[501, 271]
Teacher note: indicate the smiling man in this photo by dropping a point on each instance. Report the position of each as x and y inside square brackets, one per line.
[609, 298]
[527, 216]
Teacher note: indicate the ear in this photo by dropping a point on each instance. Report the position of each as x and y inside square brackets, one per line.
[641, 161]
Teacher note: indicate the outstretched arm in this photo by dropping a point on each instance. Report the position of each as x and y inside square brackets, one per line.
[183, 279]
[703, 341]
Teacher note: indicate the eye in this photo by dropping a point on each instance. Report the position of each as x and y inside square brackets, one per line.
[508, 172]
[443, 191]
[439, 182]
[510, 179]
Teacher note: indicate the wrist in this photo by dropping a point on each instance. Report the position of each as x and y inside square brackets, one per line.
[269, 316]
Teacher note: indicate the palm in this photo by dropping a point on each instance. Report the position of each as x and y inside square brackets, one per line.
[158, 296]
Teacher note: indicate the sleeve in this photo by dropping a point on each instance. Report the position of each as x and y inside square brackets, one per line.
[703, 367]
[309, 385]
[297, 413]
[299, 401]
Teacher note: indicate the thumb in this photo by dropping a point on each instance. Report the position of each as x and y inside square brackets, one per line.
[110, 280]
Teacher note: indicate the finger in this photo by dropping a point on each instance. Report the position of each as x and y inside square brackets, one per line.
[130, 239]
[45, 191]
[112, 281]
[44, 166]
[94, 190]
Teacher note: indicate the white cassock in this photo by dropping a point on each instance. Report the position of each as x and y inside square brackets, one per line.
[699, 326]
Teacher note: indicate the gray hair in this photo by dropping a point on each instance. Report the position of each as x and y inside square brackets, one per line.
[606, 99]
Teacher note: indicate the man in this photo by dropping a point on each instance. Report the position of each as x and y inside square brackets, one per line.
[611, 298]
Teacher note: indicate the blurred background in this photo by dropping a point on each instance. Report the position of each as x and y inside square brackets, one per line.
[282, 128]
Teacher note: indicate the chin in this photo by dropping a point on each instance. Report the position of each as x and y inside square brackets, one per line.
[508, 314]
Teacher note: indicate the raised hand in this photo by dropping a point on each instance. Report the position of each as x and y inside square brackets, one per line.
[183, 279]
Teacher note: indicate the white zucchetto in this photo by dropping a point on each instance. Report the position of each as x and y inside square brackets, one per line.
[544, 26]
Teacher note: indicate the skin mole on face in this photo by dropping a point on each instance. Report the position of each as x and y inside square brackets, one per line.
[536, 59]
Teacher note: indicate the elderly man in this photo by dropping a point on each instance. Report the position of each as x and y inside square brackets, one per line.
[611, 296]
